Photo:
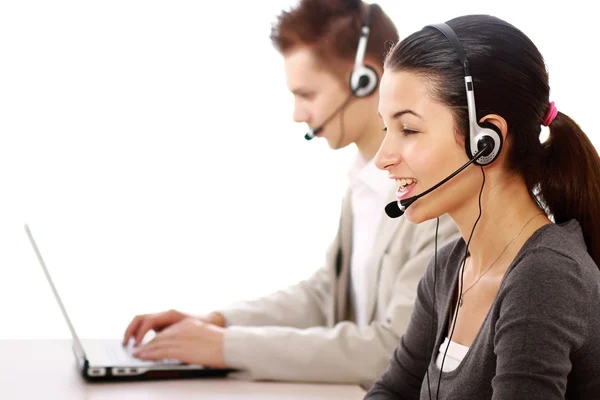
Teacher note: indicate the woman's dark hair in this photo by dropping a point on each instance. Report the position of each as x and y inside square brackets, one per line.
[510, 80]
[332, 28]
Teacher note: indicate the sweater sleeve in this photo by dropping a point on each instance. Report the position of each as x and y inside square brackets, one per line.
[542, 321]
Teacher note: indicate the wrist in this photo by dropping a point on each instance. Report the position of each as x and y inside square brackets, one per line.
[219, 348]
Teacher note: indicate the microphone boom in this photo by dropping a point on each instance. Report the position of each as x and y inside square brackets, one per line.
[397, 208]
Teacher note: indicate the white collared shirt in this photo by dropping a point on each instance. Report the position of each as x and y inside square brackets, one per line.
[370, 190]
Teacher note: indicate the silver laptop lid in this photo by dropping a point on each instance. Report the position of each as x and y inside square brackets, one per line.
[76, 342]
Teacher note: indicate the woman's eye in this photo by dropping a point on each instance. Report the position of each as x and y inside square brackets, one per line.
[405, 131]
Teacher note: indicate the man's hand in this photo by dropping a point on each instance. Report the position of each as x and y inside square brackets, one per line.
[141, 324]
[190, 341]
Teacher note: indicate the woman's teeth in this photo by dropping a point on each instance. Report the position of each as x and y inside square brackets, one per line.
[404, 183]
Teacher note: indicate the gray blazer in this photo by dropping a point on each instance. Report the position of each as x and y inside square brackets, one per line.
[307, 332]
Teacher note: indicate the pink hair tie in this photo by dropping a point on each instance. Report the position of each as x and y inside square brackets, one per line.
[550, 115]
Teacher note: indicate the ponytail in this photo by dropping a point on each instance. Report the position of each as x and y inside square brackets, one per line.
[570, 182]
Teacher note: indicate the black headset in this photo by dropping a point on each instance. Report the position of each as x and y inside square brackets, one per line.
[363, 80]
[479, 133]
[482, 146]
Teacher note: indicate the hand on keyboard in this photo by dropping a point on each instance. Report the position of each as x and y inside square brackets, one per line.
[130, 348]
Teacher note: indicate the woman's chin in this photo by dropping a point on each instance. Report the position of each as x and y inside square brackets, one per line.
[412, 216]
[417, 216]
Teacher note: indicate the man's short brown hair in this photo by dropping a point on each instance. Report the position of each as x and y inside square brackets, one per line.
[331, 28]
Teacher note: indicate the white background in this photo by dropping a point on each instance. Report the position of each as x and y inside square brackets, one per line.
[151, 148]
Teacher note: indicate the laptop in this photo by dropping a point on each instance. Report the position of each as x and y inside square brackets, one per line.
[108, 360]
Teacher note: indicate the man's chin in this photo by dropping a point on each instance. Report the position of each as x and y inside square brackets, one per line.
[336, 144]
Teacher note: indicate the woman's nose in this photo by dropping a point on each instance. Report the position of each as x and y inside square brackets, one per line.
[388, 154]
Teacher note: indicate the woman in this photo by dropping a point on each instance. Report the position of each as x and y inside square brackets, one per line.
[511, 310]
[340, 324]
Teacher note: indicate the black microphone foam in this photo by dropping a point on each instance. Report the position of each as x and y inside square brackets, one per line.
[393, 211]
[313, 132]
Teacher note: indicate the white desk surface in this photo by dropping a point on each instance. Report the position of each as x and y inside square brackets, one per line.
[46, 369]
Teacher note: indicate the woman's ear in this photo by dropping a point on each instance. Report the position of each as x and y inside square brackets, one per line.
[502, 127]
[499, 122]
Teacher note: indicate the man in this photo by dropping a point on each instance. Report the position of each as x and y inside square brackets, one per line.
[343, 323]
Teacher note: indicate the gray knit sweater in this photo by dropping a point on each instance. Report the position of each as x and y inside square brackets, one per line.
[540, 339]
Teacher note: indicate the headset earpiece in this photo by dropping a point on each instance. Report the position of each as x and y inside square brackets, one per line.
[363, 81]
[486, 134]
